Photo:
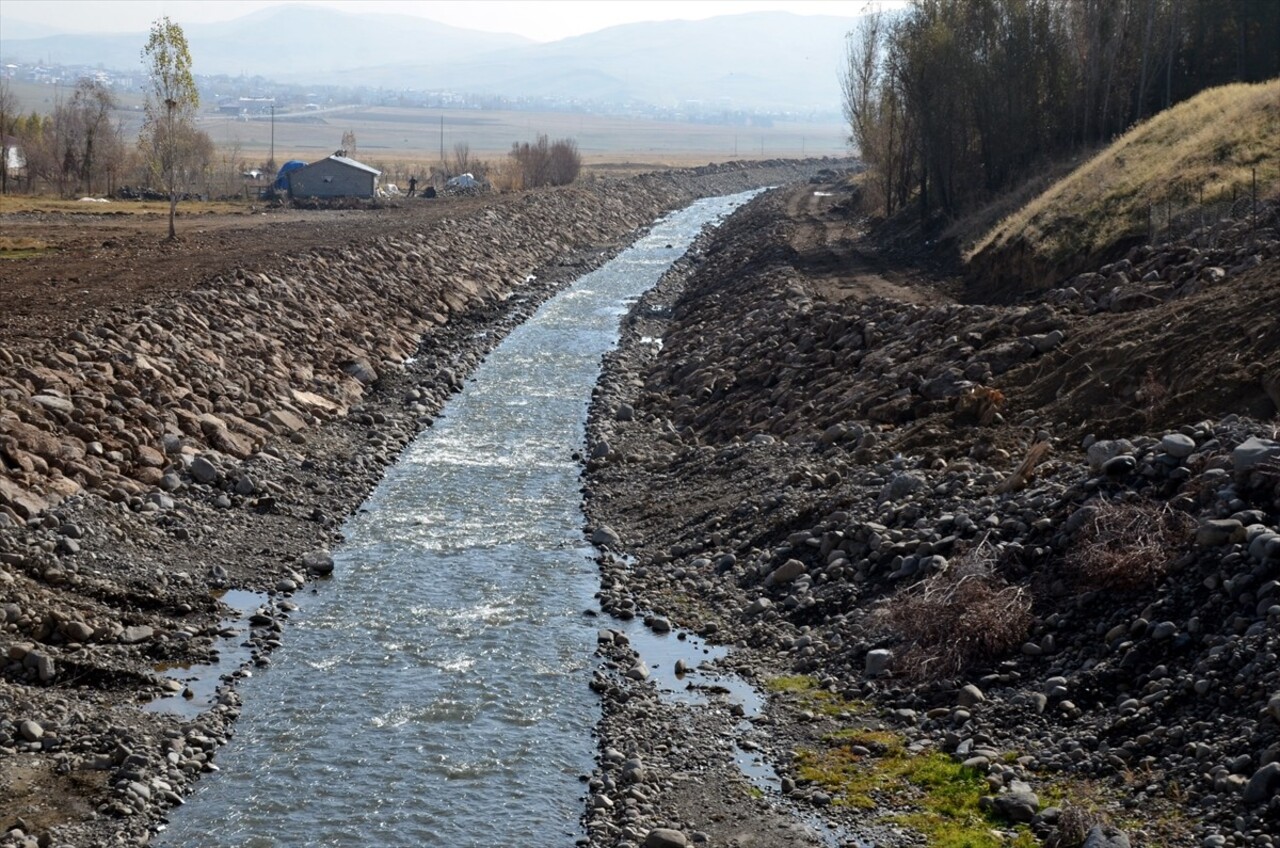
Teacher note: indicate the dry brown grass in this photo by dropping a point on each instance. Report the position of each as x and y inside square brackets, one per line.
[953, 620]
[1208, 145]
[1125, 546]
[21, 243]
[27, 203]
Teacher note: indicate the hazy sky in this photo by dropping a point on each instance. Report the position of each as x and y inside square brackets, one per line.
[542, 20]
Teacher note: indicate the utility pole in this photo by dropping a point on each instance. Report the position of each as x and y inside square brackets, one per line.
[442, 138]
[271, 163]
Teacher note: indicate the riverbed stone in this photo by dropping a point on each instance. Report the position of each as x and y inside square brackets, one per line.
[970, 695]
[1253, 451]
[786, 573]
[203, 471]
[1220, 531]
[136, 633]
[1105, 836]
[318, 562]
[1178, 445]
[877, 662]
[605, 536]
[1264, 784]
[663, 837]
[1019, 804]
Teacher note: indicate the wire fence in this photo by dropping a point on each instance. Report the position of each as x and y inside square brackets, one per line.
[1186, 212]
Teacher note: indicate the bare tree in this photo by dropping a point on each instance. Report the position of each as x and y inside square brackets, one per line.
[89, 131]
[349, 143]
[860, 79]
[461, 157]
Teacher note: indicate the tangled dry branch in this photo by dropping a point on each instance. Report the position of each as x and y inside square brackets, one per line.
[965, 615]
[1125, 545]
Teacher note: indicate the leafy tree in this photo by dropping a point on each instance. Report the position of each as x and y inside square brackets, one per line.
[168, 140]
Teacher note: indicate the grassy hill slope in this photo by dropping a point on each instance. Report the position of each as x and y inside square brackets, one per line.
[1206, 148]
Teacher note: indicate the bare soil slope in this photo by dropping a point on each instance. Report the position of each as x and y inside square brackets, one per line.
[1041, 541]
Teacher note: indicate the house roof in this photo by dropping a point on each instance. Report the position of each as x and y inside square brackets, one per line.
[351, 163]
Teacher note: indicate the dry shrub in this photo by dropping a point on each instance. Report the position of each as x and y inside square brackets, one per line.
[965, 615]
[980, 403]
[1151, 395]
[1124, 546]
[546, 162]
[505, 176]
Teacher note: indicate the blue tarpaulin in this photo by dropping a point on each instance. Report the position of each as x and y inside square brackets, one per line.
[282, 177]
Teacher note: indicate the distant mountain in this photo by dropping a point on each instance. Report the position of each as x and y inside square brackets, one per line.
[11, 28]
[766, 60]
[292, 41]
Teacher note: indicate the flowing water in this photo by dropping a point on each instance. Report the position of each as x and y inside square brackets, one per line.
[435, 691]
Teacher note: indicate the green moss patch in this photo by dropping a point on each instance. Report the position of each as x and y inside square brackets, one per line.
[930, 793]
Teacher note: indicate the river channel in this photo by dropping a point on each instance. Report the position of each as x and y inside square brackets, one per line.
[435, 690]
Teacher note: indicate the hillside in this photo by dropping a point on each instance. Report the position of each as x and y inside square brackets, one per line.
[1195, 157]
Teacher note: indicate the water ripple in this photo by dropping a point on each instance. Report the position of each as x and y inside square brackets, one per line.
[435, 691]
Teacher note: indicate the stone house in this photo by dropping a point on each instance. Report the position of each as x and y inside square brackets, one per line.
[333, 176]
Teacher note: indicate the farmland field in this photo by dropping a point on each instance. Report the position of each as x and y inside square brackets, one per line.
[388, 135]
[411, 134]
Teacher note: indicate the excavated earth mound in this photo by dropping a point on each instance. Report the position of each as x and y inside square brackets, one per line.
[1039, 540]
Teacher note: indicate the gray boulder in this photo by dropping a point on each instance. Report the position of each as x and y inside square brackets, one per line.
[318, 562]
[663, 837]
[1263, 785]
[877, 661]
[203, 471]
[1253, 451]
[605, 536]
[1101, 836]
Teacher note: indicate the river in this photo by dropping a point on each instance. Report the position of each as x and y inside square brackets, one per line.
[434, 691]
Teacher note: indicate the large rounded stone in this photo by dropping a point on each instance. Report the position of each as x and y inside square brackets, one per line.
[1178, 445]
[318, 562]
[663, 837]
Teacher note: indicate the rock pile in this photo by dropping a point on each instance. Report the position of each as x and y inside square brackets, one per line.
[789, 471]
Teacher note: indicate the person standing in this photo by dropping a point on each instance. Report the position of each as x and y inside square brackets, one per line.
[413, 185]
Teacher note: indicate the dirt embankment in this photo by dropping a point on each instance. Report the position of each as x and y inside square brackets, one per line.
[211, 431]
[825, 475]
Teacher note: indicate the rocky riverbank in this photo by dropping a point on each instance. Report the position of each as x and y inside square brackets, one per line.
[216, 439]
[1028, 552]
